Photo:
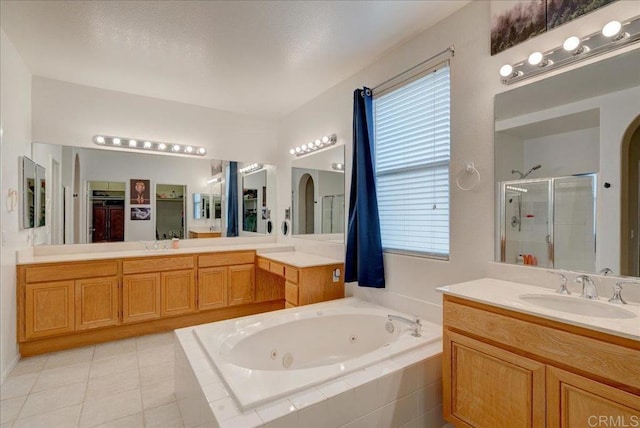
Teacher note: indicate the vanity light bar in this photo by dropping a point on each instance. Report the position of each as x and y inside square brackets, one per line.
[614, 35]
[326, 141]
[146, 145]
[251, 168]
[517, 189]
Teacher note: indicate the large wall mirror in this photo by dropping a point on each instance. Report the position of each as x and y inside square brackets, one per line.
[567, 154]
[318, 195]
[113, 195]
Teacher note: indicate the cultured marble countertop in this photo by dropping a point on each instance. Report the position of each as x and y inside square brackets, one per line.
[299, 259]
[505, 294]
[65, 256]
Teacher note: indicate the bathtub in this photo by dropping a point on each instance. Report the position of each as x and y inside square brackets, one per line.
[269, 357]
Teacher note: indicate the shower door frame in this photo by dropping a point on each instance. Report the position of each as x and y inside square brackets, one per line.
[550, 215]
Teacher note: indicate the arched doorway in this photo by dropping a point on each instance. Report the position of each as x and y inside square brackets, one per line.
[630, 200]
[306, 204]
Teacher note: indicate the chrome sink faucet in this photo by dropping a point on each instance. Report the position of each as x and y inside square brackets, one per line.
[617, 292]
[563, 283]
[415, 324]
[589, 290]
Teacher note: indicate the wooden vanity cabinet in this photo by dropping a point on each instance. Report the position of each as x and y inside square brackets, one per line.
[504, 368]
[49, 308]
[226, 279]
[97, 302]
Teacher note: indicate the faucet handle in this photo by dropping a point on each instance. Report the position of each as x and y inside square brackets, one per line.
[563, 283]
[617, 292]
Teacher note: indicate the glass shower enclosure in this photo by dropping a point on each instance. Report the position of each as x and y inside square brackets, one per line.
[549, 222]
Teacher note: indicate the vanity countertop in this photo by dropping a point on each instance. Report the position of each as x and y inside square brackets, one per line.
[505, 294]
[299, 259]
[261, 248]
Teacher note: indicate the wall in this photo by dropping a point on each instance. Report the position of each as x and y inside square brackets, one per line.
[474, 83]
[69, 114]
[15, 141]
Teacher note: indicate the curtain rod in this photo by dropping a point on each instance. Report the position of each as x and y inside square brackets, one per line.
[451, 49]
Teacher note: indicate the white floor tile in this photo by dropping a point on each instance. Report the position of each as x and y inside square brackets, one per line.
[156, 372]
[52, 399]
[111, 349]
[69, 357]
[10, 408]
[113, 365]
[132, 421]
[60, 418]
[61, 376]
[111, 384]
[167, 416]
[159, 355]
[97, 411]
[154, 340]
[17, 386]
[29, 365]
[158, 394]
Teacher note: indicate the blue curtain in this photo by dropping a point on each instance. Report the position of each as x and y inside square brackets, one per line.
[364, 245]
[232, 199]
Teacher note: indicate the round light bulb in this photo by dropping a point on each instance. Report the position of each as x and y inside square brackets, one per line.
[189, 149]
[506, 70]
[176, 148]
[535, 58]
[292, 151]
[147, 144]
[612, 29]
[100, 139]
[116, 141]
[325, 139]
[133, 143]
[318, 142]
[571, 44]
[202, 150]
[162, 146]
[298, 150]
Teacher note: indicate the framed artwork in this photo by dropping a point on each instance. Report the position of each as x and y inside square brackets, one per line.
[140, 192]
[140, 213]
[514, 21]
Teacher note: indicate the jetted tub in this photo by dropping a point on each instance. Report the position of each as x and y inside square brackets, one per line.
[272, 355]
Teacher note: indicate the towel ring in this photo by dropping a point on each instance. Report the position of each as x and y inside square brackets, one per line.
[468, 169]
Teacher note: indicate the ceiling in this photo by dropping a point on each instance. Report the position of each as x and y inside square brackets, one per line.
[263, 58]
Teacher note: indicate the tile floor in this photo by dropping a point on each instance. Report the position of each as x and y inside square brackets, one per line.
[126, 383]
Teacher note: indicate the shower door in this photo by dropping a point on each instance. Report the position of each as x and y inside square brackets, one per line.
[526, 210]
[549, 222]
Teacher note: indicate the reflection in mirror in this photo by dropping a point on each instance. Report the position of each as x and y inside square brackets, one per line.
[562, 146]
[257, 183]
[101, 179]
[201, 206]
[285, 227]
[317, 192]
[28, 193]
[41, 196]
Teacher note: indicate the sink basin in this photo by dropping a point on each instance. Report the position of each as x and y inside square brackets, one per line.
[577, 306]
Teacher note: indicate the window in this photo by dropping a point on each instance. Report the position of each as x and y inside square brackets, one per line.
[412, 151]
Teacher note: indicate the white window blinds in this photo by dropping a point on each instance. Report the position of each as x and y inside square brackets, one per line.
[412, 150]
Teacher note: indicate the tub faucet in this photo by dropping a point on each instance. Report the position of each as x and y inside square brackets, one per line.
[415, 324]
[589, 290]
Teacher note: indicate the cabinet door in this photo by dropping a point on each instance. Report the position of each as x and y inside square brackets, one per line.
[116, 224]
[242, 284]
[575, 402]
[485, 386]
[96, 302]
[212, 288]
[100, 221]
[49, 309]
[140, 297]
[178, 293]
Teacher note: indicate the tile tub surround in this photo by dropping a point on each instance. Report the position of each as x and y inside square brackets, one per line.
[402, 391]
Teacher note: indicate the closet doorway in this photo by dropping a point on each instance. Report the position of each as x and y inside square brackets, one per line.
[106, 213]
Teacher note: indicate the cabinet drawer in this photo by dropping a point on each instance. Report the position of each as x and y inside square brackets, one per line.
[226, 259]
[276, 268]
[291, 293]
[65, 271]
[263, 263]
[291, 274]
[157, 264]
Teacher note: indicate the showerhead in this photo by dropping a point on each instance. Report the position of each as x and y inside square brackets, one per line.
[536, 167]
[531, 170]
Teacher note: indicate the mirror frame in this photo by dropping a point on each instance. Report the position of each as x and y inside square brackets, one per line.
[41, 196]
[28, 194]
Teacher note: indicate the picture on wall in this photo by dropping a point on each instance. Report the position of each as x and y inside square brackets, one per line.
[562, 11]
[140, 213]
[140, 192]
[514, 21]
